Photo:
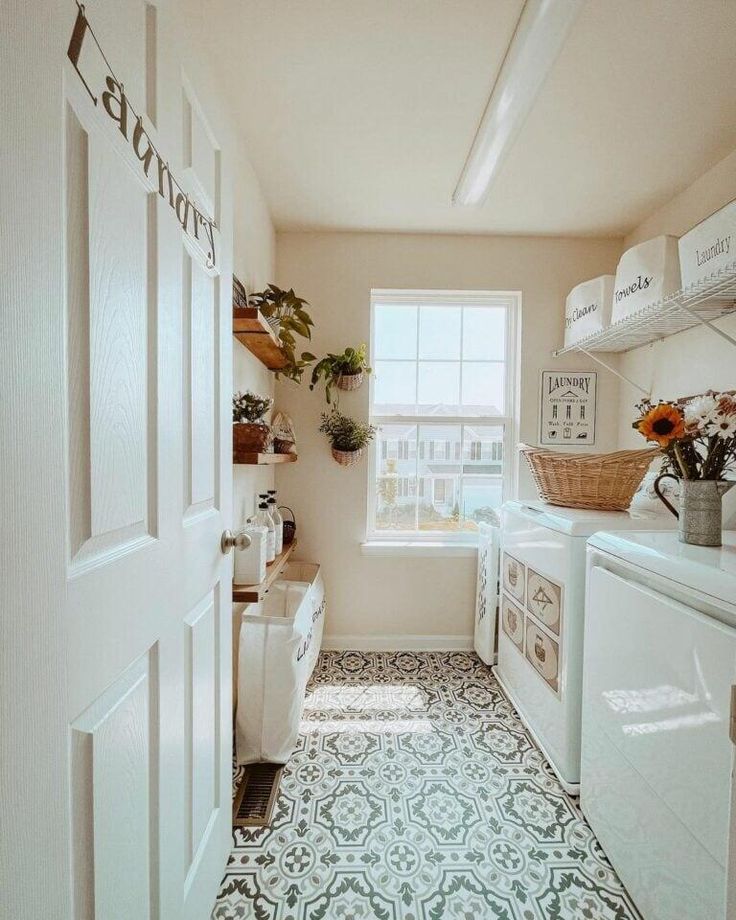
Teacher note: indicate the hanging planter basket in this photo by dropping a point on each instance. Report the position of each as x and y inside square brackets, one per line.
[347, 457]
[349, 381]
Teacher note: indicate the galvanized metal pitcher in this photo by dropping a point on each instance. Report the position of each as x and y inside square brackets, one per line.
[700, 514]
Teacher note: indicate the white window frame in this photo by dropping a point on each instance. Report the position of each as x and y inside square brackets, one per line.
[511, 301]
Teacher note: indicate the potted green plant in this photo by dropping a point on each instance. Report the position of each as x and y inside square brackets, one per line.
[251, 434]
[345, 371]
[347, 436]
[287, 315]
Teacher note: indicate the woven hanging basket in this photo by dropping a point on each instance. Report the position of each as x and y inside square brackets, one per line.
[599, 482]
[349, 381]
[347, 457]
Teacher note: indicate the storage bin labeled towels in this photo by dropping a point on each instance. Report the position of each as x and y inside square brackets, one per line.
[646, 274]
[280, 639]
[486, 595]
[588, 308]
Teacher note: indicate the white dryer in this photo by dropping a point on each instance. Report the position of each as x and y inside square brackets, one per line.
[540, 637]
[660, 665]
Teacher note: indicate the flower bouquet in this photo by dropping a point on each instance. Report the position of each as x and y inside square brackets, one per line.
[697, 436]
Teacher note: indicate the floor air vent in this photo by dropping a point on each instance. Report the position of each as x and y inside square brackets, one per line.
[256, 795]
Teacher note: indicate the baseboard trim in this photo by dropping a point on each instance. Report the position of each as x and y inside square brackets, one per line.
[398, 643]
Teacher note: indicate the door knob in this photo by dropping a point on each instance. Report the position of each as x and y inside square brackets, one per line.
[237, 540]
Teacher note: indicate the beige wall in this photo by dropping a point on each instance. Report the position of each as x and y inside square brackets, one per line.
[370, 597]
[698, 359]
[253, 256]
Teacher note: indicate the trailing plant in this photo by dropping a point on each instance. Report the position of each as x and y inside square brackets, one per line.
[332, 367]
[287, 314]
[345, 433]
[249, 407]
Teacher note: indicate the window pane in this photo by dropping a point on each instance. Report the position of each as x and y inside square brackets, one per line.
[396, 482]
[395, 387]
[396, 331]
[439, 332]
[438, 473]
[484, 334]
[480, 496]
[483, 388]
[439, 388]
[483, 450]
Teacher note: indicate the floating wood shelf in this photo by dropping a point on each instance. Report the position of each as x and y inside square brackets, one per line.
[251, 329]
[700, 303]
[249, 594]
[263, 459]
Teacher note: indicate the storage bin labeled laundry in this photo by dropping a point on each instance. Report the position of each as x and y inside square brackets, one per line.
[588, 308]
[646, 274]
[279, 642]
[710, 247]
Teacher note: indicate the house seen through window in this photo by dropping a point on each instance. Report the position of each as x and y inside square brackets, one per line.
[442, 396]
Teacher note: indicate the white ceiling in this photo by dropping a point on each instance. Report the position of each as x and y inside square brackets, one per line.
[358, 114]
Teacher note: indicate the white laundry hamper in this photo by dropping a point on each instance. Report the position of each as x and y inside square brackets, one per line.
[486, 594]
[279, 643]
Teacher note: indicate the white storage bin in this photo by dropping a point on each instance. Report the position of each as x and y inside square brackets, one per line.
[588, 308]
[709, 247]
[646, 274]
[249, 566]
[273, 670]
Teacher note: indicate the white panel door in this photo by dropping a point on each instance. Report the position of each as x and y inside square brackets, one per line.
[130, 691]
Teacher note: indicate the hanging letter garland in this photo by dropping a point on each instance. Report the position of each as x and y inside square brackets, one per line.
[199, 228]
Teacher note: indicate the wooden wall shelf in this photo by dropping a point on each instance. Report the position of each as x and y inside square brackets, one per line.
[252, 330]
[249, 594]
[263, 459]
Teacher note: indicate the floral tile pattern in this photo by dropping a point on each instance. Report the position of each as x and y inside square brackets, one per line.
[417, 794]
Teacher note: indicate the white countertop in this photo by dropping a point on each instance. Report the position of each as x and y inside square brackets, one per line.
[709, 569]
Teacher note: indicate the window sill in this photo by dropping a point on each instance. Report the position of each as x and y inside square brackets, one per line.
[422, 548]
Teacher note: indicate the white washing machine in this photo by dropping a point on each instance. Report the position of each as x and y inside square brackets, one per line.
[540, 638]
[660, 664]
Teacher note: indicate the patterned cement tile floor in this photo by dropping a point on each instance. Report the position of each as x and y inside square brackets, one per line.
[417, 794]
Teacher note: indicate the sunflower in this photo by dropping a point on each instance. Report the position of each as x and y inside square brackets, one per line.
[663, 423]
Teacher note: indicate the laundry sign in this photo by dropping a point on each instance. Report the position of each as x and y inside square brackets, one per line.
[568, 408]
[108, 95]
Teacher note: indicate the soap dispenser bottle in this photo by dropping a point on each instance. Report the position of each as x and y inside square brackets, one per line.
[264, 519]
[278, 521]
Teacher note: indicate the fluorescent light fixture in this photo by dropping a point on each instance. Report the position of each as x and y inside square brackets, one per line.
[538, 38]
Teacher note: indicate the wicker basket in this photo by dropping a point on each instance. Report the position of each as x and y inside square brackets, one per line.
[347, 457]
[289, 526]
[282, 446]
[600, 482]
[252, 438]
[349, 381]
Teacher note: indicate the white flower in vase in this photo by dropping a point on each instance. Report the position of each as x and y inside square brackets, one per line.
[699, 411]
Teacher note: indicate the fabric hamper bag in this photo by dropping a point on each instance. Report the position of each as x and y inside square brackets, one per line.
[309, 574]
[273, 669]
[486, 592]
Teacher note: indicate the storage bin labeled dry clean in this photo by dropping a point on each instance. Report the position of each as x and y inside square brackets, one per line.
[588, 308]
[279, 642]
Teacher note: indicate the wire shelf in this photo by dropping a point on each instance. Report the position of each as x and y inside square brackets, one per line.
[708, 300]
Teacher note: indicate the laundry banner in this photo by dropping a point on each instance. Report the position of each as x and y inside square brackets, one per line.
[108, 95]
[568, 407]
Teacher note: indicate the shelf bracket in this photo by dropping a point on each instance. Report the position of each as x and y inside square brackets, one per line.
[646, 391]
[707, 322]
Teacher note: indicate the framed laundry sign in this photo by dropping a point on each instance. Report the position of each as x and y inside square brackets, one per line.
[568, 408]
